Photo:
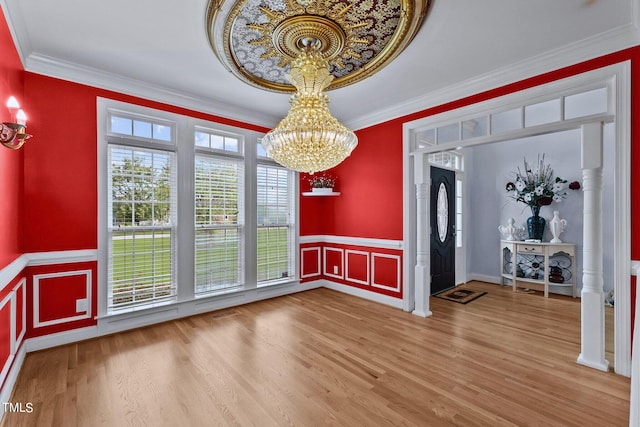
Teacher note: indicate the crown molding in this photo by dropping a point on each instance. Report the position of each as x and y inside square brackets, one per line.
[589, 48]
[53, 67]
[15, 21]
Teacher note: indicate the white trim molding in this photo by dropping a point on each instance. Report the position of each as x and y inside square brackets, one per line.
[362, 293]
[590, 48]
[9, 301]
[355, 241]
[61, 257]
[36, 297]
[21, 284]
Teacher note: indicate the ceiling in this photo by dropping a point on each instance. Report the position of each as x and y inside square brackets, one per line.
[158, 49]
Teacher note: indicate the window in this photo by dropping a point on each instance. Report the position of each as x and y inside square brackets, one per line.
[219, 221]
[141, 128]
[141, 224]
[276, 231]
[189, 210]
[218, 141]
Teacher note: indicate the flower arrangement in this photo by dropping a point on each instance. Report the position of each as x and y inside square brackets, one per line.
[538, 187]
[322, 181]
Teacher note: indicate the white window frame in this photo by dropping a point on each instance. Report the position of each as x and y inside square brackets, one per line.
[291, 224]
[186, 301]
[224, 155]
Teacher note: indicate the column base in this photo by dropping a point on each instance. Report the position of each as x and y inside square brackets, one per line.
[421, 313]
[599, 365]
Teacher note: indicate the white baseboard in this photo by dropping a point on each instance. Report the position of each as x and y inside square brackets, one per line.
[61, 338]
[484, 278]
[12, 376]
[136, 319]
[364, 294]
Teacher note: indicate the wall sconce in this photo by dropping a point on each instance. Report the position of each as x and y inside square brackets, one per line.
[13, 134]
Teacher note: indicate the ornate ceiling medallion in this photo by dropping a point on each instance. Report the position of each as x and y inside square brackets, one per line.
[258, 39]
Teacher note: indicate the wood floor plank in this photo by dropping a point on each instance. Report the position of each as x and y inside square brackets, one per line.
[323, 358]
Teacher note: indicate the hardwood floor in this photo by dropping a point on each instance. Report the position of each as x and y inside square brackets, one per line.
[323, 358]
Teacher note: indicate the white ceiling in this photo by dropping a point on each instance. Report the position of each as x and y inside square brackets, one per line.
[158, 49]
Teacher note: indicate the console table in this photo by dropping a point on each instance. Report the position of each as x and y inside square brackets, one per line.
[538, 264]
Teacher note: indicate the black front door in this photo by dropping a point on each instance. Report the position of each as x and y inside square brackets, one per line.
[443, 227]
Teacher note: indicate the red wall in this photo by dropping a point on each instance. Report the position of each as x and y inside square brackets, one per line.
[11, 83]
[61, 161]
[371, 179]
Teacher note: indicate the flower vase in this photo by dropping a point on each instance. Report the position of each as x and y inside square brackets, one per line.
[536, 224]
[557, 225]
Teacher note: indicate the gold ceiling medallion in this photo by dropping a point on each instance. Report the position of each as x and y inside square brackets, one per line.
[284, 35]
[258, 39]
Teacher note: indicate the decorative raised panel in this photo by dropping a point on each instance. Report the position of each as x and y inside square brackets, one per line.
[38, 278]
[386, 286]
[20, 287]
[347, 277]
[340, 266]
[6, 364]
[318, 272]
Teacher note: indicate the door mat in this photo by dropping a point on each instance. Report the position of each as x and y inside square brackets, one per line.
[460, 295]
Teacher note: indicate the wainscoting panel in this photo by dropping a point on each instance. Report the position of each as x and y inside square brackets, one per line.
[310, 262]
[371, 265]
[386, 271]
[333, 262]
[61, 297]
[357, 267]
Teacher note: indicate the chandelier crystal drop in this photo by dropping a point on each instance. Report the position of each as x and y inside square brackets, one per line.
[309, 139]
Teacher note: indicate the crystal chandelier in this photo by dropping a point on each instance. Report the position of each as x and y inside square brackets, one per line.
[312, 46]
[309, 139]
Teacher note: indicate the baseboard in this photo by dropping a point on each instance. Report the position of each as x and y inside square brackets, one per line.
[136, 319]
[484, 278]
[12, 376]
[364, 294]
[60, 338]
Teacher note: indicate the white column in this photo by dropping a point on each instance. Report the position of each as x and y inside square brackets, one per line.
[422, 268]
[592, 304]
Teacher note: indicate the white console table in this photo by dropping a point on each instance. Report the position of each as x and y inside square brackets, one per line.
[532, 263]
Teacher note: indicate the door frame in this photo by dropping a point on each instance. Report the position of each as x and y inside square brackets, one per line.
[617, 78]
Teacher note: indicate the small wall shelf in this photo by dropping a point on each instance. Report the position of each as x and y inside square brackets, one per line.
[309, 193]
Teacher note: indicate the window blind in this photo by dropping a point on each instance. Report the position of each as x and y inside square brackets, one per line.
[219, 211]
[276, 226]
[141, 226]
